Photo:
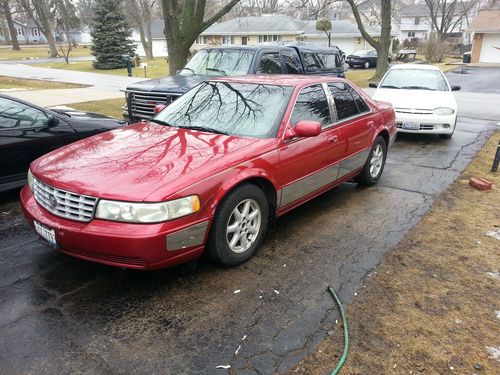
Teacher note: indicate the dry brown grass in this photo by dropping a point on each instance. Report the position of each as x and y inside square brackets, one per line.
[430, 307]
[34, 84]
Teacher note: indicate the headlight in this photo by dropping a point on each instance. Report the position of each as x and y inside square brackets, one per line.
[444, 111]
[147, 212]
[30, 180]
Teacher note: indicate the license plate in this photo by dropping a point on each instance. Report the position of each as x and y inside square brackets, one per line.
[46, 233]
[410, 125]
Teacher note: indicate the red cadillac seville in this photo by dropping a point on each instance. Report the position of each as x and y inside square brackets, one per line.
[211, 172]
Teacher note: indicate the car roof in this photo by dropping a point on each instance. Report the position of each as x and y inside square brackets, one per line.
[293, 80]
[277, 45]
[415, 66]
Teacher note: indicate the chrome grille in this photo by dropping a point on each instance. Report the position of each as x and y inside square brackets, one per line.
[142, 103]
[64, 203]
[414, 111]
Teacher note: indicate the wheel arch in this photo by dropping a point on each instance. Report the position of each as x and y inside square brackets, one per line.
[384, 134]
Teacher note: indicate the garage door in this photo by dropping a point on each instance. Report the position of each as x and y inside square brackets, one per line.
[490, 51]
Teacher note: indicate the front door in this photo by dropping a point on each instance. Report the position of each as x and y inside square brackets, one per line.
[244, 40]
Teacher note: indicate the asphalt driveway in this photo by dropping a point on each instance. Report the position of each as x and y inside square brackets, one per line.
[62, 315]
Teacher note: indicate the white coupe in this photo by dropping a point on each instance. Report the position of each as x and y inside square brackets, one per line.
[422, 99]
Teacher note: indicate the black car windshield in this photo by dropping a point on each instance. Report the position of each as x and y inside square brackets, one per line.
[364, 53]
[242, 109]
[219, 62]
[415, 79]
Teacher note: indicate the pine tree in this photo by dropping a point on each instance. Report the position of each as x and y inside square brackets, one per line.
[111, 35]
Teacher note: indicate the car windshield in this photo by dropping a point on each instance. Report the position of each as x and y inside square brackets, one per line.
[415, 79]
[247, 110]
[219, 62]
[363, 53]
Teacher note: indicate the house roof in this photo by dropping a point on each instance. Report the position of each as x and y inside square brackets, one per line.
[415, 11]
[340, 29]
[275, 24]
[486, 21]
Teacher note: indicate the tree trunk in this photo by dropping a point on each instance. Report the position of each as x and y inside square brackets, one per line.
[10, 24]
[385, 39]
[52, 43]
[149, 51]
[177, 56]
[146, 42]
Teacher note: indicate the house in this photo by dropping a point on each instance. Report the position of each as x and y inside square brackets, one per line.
[158, 36]
[486, 40]
[27, 33]
[281, 28]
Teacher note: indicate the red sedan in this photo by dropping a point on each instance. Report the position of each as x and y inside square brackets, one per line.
[210, 172]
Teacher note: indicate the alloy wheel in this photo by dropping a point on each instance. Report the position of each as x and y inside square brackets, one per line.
[243, 226]
[376, 161]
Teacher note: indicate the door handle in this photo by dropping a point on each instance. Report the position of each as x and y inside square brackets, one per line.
[371, 124]
[333, 139]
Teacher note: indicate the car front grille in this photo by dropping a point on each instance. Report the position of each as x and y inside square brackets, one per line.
[64, 203]
[414, 111]
[142, 103]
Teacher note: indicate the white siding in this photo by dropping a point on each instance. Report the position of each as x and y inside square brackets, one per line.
[490, 50]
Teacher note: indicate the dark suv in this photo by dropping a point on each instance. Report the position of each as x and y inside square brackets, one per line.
[142, 97]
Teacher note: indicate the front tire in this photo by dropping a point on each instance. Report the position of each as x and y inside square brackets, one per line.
[239, 226]
[374, 165]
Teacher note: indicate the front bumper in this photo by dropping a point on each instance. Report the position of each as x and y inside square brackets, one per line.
[429, 123]
[136, 246]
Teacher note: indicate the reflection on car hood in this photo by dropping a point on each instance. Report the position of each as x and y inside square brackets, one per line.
[177, 84]
[418, 99]
[132, 162]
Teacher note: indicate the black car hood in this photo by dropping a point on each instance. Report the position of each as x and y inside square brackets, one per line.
[177, 84]
[87, 119]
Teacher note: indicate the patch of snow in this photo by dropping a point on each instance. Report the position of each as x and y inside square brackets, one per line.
[493, 275]
[494, 234]
[237, 291]
[494, 352]
[223, 367]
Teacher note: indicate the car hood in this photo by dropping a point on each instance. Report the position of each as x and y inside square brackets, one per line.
[418, 99]
[135, 161]
[83, 120]
[176, 84]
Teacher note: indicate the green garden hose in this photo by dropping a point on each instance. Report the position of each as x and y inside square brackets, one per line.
[346, 331]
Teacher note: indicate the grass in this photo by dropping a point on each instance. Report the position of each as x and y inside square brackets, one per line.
[33, 84]
[110, 107]
[37, 52]
[156, 68]
[361, 77]
[431, 305]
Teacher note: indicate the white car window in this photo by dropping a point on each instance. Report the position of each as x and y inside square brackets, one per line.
[415, 79]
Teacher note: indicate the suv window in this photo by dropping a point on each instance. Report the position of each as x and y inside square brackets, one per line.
[311, 62]
[344, 102]
[312, 105]
[17, 115]
[290, 62]
[330, 61]
[269, 63]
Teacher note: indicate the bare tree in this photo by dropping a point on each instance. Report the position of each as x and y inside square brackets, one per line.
[184, 21]
[42, 13]
[66, 21]
[85, 11]
[7, 13]
[326, 26]
[140, 13]
[446, 15]
[384, 42]
[311, 9]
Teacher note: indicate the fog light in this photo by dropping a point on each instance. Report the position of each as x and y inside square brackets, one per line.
[446, 126]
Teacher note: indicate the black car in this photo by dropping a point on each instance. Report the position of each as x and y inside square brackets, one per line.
[365, 59]
[28, 131]
[265, 58]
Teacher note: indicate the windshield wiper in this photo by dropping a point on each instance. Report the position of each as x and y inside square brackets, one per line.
[204, 129]
[389, 87]
[417, 88]
[191, 70]
[160, 122]
[217, 70]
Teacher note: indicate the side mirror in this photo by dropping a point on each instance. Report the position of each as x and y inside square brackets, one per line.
[455, 88]
[52, 121]
[159, 108]
[372, 84]
[304, 128]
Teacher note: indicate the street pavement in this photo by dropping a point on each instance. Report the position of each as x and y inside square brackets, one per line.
[63, 315]
[44, 60]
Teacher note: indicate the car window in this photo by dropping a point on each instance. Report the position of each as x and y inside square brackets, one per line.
[415, 79]
[17, 115]
[311, 62]
[344, 102]
[241, 109]
[360, 102]
[219, 62]
[329, 61]
[269, 63]
[312, 105]
[290, 62]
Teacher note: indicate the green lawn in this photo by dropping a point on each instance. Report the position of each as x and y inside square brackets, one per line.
[110, 107]
[360, 77]
[37, 52]
[156, 68]
[34, 84]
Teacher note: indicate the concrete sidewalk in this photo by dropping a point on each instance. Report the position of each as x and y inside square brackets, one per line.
[103, 86]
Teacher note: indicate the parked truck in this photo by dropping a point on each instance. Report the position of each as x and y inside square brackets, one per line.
[142, 97]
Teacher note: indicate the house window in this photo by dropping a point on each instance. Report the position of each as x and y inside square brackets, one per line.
[228, 39]
[18, 31]
[417, 20]
[411, 34]
[269, 38]
[202, 39]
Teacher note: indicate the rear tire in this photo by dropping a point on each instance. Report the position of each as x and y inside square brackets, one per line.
[366, 65]
[374, 166]
[239, 226]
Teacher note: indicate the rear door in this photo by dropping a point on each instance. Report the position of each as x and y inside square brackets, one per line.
[310, 163]
[356, 125]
